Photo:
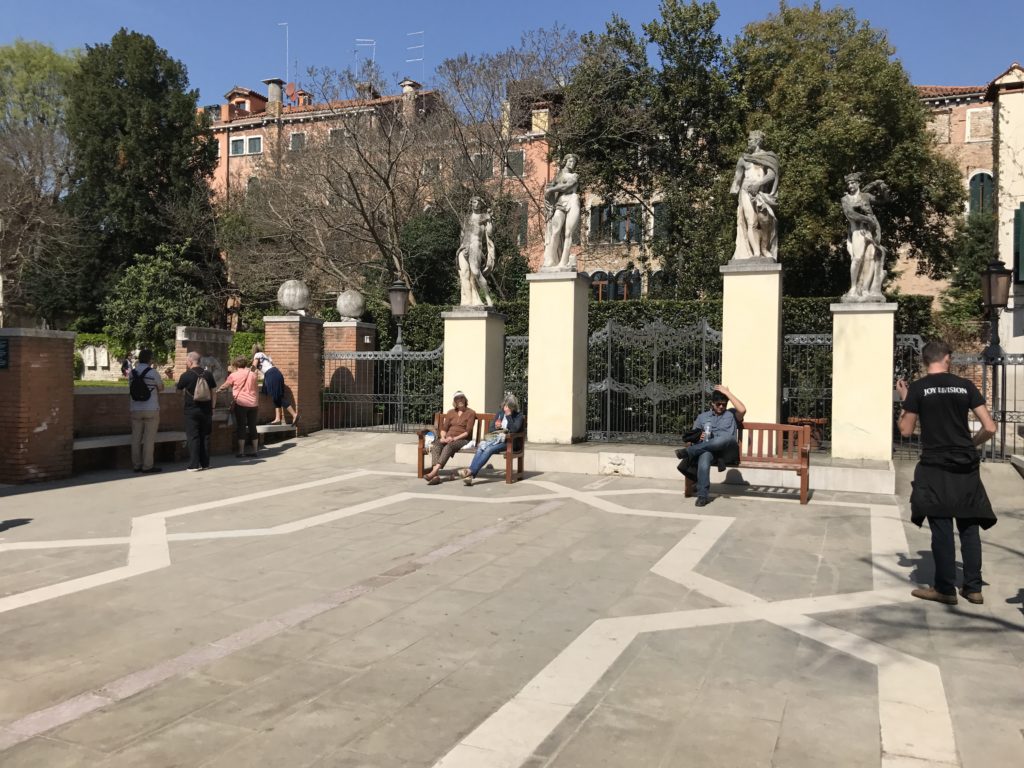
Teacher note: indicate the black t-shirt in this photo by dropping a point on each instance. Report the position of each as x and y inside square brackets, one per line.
[941, 402]
[187, 382]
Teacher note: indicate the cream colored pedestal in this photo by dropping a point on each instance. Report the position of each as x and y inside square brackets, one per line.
[752, 335]
[474, 357]
[557, 389]
[862, 381]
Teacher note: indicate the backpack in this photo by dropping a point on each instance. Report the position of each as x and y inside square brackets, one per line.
[137, 386]
[202, 391]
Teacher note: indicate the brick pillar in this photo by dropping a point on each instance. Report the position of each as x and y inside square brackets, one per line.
[295, 343]
[208, 342]
[346, 379]
[37, 412]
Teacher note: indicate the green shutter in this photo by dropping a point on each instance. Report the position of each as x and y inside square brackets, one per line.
[1018, 242]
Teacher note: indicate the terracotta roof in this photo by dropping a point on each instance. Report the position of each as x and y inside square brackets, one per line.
[245, 92]
[947, 91]
[332, 106]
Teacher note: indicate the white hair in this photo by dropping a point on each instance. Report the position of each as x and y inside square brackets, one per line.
[193, 358]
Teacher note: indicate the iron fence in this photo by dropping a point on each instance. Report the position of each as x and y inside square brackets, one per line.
[646, 384]
[517, 355]
[807, 385]
[382, 391]
[1000, 382]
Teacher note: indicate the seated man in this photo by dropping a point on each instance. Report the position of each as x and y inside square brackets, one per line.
[718, 428]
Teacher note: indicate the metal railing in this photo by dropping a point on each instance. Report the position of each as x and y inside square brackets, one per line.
[382, 391]
[807, 385]
[517, 356]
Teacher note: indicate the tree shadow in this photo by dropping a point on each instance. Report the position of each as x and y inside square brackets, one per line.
[6, 525]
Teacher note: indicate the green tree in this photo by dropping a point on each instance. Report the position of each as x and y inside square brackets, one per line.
[649, 131]
[825, 89]
[142, 158]
[154, 295]
[36, 238]
[961, 316]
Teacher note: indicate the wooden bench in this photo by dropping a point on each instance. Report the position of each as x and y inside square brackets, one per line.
[772, 446]
[480, 428]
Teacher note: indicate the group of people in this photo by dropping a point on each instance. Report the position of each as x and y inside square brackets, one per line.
[456, 431]
[200, 391]
[947, 487]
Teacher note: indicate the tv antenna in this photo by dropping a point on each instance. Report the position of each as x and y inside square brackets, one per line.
[416, 50]
[368, 42]
[287, 56]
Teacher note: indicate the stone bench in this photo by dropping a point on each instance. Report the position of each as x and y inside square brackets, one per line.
[114, 441]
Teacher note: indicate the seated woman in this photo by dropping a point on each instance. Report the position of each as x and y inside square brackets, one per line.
[508, 421]
[456, 430]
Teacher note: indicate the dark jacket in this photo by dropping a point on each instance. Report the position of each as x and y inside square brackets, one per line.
[187, 384]
[948, 484]
[515, 424]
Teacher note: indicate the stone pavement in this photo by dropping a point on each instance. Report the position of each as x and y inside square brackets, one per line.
[322, 607]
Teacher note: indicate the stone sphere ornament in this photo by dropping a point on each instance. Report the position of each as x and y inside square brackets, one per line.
[351, 305]
[293, 295]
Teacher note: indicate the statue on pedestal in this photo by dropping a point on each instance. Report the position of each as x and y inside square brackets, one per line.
[476, 255]
[756, 186]
[864, 240]
[562, 212]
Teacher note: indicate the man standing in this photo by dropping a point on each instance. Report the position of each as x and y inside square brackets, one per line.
[947, 481]
[145, 386]
[718, 427]
[198, 411]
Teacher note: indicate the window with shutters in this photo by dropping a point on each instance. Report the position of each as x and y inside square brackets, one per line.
[514, 164]
[298, 141]
[616, 224]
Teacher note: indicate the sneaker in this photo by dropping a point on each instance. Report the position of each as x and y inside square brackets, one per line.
[151, 470]
[702, 501]
[193, 469]
[467, 479]
[463, 472]
[972, 597]
[930, 593]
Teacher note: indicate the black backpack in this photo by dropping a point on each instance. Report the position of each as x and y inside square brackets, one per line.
[137, 386]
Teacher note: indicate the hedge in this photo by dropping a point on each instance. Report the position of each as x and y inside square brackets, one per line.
[115, 350]
[423, 327]
[241, 344]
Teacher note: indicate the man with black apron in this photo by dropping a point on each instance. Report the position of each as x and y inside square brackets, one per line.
[947, 481]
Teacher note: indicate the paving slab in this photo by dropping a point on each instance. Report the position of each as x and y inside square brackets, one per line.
[325, 608]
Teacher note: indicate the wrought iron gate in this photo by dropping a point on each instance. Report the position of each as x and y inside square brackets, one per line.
[807, 384]
[649, 383]
[382, 391]
[517, 353]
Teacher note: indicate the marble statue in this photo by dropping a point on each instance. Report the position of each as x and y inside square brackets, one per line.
[476, 255]
[864, 240]
[562, 212]
[756, 186]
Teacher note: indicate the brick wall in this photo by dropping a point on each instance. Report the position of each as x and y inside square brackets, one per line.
[36, 417]
[348, 376]
[295, 343]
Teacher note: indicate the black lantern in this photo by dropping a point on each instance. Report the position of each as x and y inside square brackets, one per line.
[398, 294]
[995, 285]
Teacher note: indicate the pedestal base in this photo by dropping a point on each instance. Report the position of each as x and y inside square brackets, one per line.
[474, 357]
[557, 387]
[752, 335]
[862, 380]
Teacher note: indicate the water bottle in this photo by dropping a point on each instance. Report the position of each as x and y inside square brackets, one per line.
[707, 431]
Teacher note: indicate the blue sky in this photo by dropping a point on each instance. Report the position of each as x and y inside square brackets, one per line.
[941, 42]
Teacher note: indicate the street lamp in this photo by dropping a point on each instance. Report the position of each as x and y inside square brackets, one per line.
[995, 295]
[398, 294]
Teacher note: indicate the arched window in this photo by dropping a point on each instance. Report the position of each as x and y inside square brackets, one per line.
[982, 190]
[599, 286]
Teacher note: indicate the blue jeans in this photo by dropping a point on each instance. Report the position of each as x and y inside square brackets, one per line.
[483, 453]
[704, 454]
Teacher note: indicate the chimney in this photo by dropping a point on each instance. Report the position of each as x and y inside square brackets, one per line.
[366, 90]
[274, 85]
[303, 98]
[409, 85]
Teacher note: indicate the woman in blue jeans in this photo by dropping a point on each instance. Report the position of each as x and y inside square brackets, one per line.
[508, 421]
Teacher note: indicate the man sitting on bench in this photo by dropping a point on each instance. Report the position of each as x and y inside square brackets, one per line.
[718, 427]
